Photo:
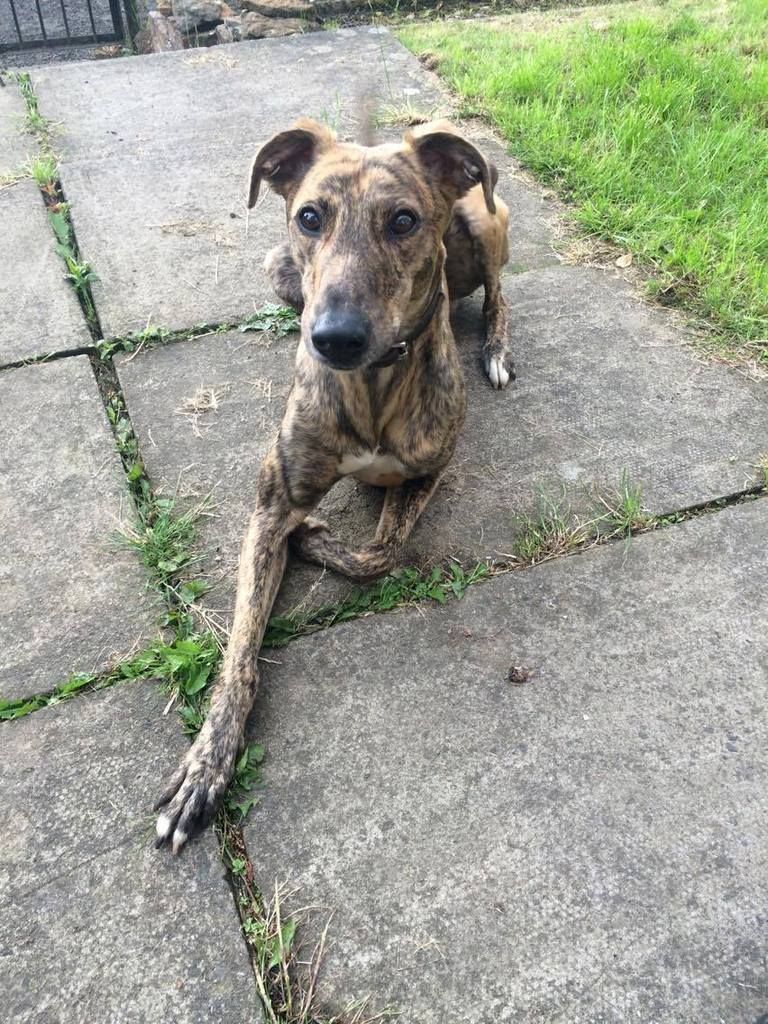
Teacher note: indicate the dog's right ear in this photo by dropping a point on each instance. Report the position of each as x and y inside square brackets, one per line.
[286, 158]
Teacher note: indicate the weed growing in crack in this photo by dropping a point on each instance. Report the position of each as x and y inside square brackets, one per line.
[555, 529]
[165, 543]
[128, 448]
[34, 122]
[272, 319]
[44, 171]
[79, 272]
[624, 510]
[333, 115]
[81, 276]
[240, 796]
[19, 707]
[150, 337]
[404, 115]
[403, 587]
[286, 973]
[551, 531]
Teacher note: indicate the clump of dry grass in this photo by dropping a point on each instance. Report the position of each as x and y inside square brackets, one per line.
[554, 529]
[205, 399]
[286, 973]
[404, 115]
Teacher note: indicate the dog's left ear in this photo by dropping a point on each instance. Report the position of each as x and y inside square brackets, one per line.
[453, 162]
[286, 158]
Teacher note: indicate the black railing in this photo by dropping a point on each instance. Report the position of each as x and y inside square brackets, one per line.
[30, 24]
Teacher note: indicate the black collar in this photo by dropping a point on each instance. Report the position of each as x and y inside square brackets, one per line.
[400, 349]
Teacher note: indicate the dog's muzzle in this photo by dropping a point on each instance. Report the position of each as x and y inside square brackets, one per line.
[341, 337]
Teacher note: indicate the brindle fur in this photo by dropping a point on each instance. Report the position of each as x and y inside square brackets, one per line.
[409, 412]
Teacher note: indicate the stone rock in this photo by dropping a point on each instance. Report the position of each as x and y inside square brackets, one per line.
[159, 35]
[199, 39]
[190, 13]
[229, 31]
[108, 52]
[256, 26]
[280, 8]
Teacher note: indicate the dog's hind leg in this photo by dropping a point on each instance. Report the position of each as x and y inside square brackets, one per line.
[403, 505]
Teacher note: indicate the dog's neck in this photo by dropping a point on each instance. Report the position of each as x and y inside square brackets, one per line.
[400, 349]
[371, 395]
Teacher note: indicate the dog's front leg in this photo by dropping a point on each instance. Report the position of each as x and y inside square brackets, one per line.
[402, 507]
[497, 355]
[195, 791]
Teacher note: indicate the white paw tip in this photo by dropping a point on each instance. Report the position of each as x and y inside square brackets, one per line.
[163, 826]
[498, 373]
[179, 839]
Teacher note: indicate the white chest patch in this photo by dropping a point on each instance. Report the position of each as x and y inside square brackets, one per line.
[373, 468]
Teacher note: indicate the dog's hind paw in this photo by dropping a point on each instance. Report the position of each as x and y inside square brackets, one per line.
[192, 797]
[500, 369]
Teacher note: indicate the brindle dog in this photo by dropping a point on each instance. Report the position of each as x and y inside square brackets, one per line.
[379, 238]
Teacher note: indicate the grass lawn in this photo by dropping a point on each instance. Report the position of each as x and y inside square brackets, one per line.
[652, 118]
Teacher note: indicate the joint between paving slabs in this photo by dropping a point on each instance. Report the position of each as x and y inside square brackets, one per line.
[270, 321]
[44, 170]
[561, 534]
[48, 357]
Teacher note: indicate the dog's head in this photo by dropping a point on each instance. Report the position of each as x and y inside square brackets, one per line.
[366, 228]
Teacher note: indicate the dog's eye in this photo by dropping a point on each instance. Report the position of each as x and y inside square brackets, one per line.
[403, 223]
[310, 220]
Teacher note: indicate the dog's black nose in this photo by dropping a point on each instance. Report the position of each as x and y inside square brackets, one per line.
[341, 336]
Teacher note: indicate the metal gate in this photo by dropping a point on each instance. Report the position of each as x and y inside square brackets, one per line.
[29, 24]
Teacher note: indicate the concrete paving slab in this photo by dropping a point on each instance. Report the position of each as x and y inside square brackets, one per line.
[41, 314]
[73, 598]
[15, 147]
[603, 386]
[96, 925]
[158, 202]
[587, 846]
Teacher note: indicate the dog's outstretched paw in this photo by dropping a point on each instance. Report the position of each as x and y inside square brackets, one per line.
[192, 797]
[500, 369]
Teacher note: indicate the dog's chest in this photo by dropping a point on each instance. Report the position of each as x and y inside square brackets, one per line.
[374, 467]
